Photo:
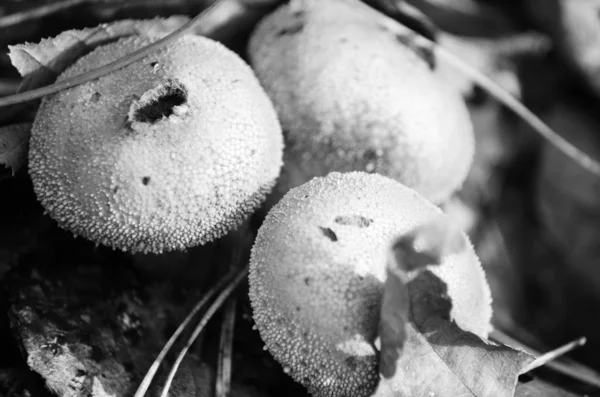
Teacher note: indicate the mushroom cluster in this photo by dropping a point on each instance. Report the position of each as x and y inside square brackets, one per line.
[169, 152]
[317, 271]
[178, 148]
[353, 93]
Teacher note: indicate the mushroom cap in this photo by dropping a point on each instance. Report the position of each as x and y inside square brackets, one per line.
[317, 271]
[172, 151]
[352, 94]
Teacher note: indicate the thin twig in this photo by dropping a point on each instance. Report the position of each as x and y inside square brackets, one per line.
[503, 96]
[38, 12]
[552, 355]
[242, 243]
[224, 365]
[563, 365]
[207, 316]
[219, 8]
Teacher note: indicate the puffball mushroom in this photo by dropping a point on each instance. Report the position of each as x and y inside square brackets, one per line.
[317, 271]
[169, 152]
[353, 94]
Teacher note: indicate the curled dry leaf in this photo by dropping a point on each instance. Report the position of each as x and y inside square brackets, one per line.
[436, 240]
[14, 141]
[437, 358]
[40, 63]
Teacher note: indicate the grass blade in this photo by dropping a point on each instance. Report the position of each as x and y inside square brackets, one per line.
[220, 8]
[200, 327]
[224, 364]
[145, 384]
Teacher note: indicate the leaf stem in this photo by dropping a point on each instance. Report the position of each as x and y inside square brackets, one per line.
[553, 354]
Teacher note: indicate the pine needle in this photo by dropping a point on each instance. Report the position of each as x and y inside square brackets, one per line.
[554, 354]
[200, 327]
[564, 366]
[38, 12]
[224, 365]
[211, 19]
[500, 94]
[503, 96]
[145, 384]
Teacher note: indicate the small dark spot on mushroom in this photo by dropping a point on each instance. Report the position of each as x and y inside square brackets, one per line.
[290, 30]
[146, 180]
[161, 105]
[235, 80]
[353, 220]
[370, 155]
[306, 196]
[298, 308]
[298, 13]
[153, 64]
[295, 25]
[115, 189]
[327, 232]
[351, 363]
[307, 281]
[95, 97]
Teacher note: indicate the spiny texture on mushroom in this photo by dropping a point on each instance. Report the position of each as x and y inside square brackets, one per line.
[317, 271]
[353, 94]
[169, 152]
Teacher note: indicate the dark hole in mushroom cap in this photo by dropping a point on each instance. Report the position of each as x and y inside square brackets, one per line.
[327, 232]
[167, 97]
[351, 363]
[146, 180]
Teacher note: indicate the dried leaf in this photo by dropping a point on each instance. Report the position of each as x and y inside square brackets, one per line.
[41, 63]
[394, 318]
[434, 240]
[14, 142]
[433, 356]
